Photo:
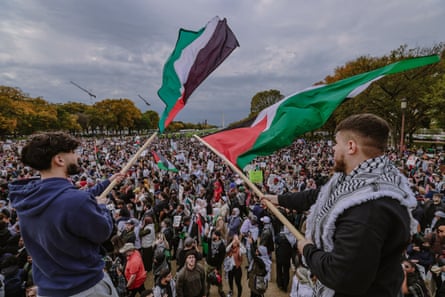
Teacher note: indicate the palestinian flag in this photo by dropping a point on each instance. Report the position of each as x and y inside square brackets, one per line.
[278, 125]
[194, 57]
[163, 163]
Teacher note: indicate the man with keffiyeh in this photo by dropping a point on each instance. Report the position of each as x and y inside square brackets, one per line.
[360, 221]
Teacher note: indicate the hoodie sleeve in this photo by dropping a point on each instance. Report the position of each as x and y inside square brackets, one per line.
[90, 220]
[99, 188]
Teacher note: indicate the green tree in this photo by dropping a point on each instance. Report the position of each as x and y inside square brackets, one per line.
[81, 112]
[264, 99]
[436, 100]
[175, 126]
[148, 121]
[38, 115]
[116, 114]
[66, 120]
[9, 113]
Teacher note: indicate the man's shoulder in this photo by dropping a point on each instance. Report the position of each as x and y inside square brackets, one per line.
[384, 208]
[199, 268]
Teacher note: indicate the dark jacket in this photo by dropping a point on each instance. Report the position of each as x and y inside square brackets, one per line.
[215, 258]
[368, 243]
[267, 239]
[9, 242]
[284, 250]
[191, 283]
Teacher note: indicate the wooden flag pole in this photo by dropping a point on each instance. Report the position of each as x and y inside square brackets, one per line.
[257, 191]
[128, 165]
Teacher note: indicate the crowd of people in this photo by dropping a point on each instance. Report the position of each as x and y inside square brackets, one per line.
[189, 228]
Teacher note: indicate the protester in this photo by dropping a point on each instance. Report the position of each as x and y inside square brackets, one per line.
[302, 283]
[430, 209]
[165, 286]
[234, 222]
[413, 283]
[259, 272]
[249, 235]
[31, 291]
[62, 226]
[160, 262]
[189, 245]
[214, 258]
[267, 237]
[235, 250]
[360, 218]
[147, 235]
[436, 240]
[9, 241]
[420, 252]
[190, 281]
[135, 273]
[129, 234]
[12, 276]
[285, 243]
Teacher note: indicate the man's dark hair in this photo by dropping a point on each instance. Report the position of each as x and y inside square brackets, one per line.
[372, 129]
[39, 151]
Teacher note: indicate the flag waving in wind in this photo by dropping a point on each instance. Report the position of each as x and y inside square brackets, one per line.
[194, 57]
[278, 125]
[163, 163]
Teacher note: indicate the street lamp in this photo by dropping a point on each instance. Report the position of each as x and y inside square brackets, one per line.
[403, 106]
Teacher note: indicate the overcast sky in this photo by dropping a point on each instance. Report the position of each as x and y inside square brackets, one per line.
[117, 49]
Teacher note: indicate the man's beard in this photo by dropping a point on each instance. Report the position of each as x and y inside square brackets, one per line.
[73, 169]
[340, 165]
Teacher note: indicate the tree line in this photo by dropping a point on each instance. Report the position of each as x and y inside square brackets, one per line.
[422, 88]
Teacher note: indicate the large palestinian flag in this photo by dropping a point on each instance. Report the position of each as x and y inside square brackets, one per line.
[195, 56]
[278, 125]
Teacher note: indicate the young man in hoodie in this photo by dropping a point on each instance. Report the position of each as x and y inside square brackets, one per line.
[63, 227]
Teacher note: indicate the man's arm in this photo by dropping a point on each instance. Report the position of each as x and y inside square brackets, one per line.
[180, 285]
[362, 234]
[300, 201]
[100, 187]
[131, 280]
[203, 282]
[87, 218]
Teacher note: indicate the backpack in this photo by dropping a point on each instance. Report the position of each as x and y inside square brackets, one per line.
[214, 277]
[260, 283]
[241, 198]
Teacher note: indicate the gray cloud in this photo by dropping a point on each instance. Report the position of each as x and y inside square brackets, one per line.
[117, 48]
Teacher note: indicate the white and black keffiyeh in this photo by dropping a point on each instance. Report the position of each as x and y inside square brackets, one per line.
[373, 179]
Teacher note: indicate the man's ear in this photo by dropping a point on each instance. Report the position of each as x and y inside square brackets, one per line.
[58, 160]
[352, 146]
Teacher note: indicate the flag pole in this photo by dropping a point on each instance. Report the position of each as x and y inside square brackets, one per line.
[128, 165]
[257, 191]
